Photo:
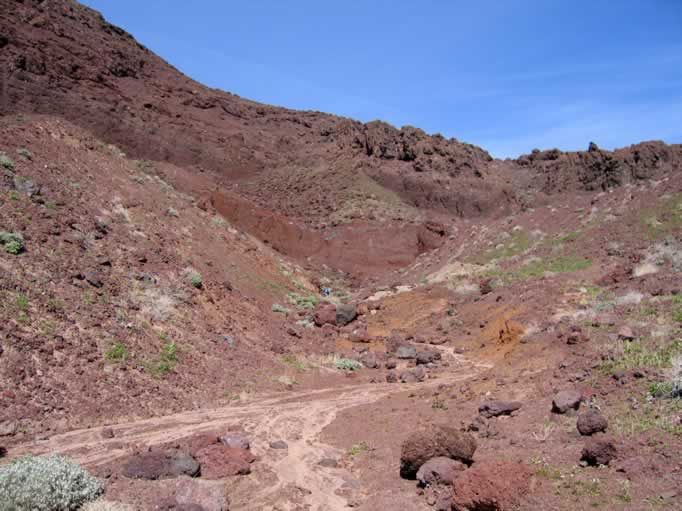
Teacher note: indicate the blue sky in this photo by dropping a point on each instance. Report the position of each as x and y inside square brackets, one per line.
[508, 75]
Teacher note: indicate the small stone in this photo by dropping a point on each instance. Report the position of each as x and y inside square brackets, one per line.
[279, 444]
[626, 334]
[328, 463]
[566, 400]
[236, 440]
[496, 408]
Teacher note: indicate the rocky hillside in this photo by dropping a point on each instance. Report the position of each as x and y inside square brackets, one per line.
[214, 304]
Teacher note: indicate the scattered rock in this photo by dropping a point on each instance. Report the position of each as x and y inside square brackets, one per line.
[158, 464]
[427, 357]
[218, 461]
[345, 314]
[94, 278]
[414, 375]
[598, 450]
[325, 314]
[108, 433]
[391, 377]
[495, 408]
[391, 363]
[328, 463]
[405, 352]
[491, 486]
[8, 428]
[439, 470]
[591, 422]
[26, 186]
[446, 441]
[566, 400]
[279, 444]
[236, 440]
[369, 360]
[205, 495]
[626, 334]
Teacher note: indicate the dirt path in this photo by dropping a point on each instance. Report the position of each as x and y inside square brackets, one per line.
[284, 480]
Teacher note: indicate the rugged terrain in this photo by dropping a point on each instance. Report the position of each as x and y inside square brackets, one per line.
[179, 263]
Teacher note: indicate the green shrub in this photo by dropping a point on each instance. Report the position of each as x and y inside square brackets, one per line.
[6, 162]
[347, 364]
[279, 308]
[116, 353]
[25, 153]
[12, 241]
[195, 279]
[46, 483]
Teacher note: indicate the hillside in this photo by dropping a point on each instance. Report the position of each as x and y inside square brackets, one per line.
[179, 264]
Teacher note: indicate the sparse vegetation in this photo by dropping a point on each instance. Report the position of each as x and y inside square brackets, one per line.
[624, 356]
[303, 302]
[6, 162]
[166, 362]
[347, 364]
[439, 404]
[565, 264]
[195, 279]
[276, 307]
[294, 362]
[46, 483]
[13, 242]
[357, 449]
[305, 323]
[25, 153]
[117, 352]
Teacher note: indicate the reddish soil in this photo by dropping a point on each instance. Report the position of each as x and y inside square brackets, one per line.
[178, 240]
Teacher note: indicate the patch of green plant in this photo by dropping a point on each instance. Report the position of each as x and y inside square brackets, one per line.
[55, 305]
[51, 204]
[357, 449]
[162, 335]
[566, 264]
[294, 362]
[661, 389]
[641, 354]
[439, 404]
[218, 221]
[276, 307]
[21, 302]
[347, 364]
[14, 195]
[25, 153]
[144, 166]
[195, 279]
[517, 243]
[117, 352]
[46, 483]
[659, 414]
[166, 362]
[545, 470]
[6, 162]
[303, 302]
[677, 308]
[664, 219]
[13, 242]
[568, 237]
[305, 323]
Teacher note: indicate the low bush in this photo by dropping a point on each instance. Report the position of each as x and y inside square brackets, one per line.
[13, 242]
[46, 483]
[347, 364]
[6, 162]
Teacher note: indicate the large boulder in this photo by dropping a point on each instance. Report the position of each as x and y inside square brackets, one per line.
[598, 450]
[345, 314]
[445, 441]
[157, 464]
[236, 440]
[406, 352]
[218, 461]
[591, 422]
[491, 486]
[325, 314]
[566, 400]
[207, 495]
[495, 408]
[439, 470]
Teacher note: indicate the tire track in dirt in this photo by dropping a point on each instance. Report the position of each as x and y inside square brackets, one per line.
[298, 418]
